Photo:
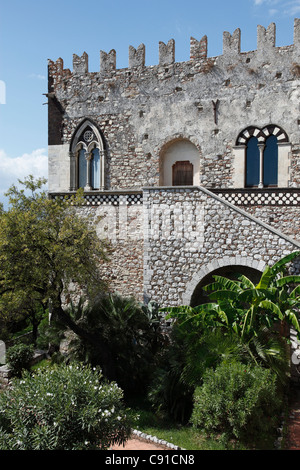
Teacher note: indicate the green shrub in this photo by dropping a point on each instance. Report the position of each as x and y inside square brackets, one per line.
[62, 408]
[19, 358]
[237, 401]
[127, 339]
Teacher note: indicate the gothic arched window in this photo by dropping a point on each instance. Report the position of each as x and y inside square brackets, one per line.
[87, 158]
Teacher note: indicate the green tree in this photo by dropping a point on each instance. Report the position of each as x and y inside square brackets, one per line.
[44, 246]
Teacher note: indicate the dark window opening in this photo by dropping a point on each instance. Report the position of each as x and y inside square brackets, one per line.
[270, 174]
[252, 162]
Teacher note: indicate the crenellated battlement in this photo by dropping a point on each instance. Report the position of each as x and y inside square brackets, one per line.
[266, 45]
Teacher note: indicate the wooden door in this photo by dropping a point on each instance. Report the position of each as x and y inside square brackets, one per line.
[182, 174]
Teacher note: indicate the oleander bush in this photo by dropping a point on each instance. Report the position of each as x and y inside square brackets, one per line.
[237, 401]
[63, 408]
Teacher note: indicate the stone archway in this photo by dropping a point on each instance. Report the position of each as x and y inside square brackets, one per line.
[228, 267]
[199, 295]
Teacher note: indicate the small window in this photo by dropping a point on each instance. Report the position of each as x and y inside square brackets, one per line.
[182, 174]
[270, 162]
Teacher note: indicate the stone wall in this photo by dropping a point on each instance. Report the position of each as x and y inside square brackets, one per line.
[121, 224]
[159, 232]
[286, 219]
[189, 233]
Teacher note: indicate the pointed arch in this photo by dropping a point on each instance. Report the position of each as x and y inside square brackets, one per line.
[87, 153]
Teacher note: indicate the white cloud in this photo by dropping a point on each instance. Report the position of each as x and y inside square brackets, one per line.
[38, 76]
[286, 7]
[273, 11]
[292, 8]
[13, 169]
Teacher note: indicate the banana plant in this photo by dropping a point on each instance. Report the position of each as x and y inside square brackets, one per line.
[244, 307]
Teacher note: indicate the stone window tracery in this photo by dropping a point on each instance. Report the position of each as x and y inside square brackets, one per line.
[87, 158]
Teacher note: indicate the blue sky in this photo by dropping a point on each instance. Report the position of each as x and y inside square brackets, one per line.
[33, 31]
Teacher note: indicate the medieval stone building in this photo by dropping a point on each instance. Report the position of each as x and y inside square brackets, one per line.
[194, 166]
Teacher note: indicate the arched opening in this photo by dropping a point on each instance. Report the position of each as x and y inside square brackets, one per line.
[199, 296]
[180, 164]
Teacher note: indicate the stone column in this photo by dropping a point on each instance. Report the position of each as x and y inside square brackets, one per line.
[102, 166]
[73, 172]
[88, 186]
[261, 165]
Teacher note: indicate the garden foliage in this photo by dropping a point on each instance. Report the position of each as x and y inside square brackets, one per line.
[128, 333]
[237, 401]
[62, 408]
[19, 358]
[243, 324]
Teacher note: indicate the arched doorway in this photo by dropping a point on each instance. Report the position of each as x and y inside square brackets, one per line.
[179, 164]
[199, 296]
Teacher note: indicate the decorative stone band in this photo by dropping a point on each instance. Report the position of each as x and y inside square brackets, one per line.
[257, 197]
[239, 197]
[110, 198]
